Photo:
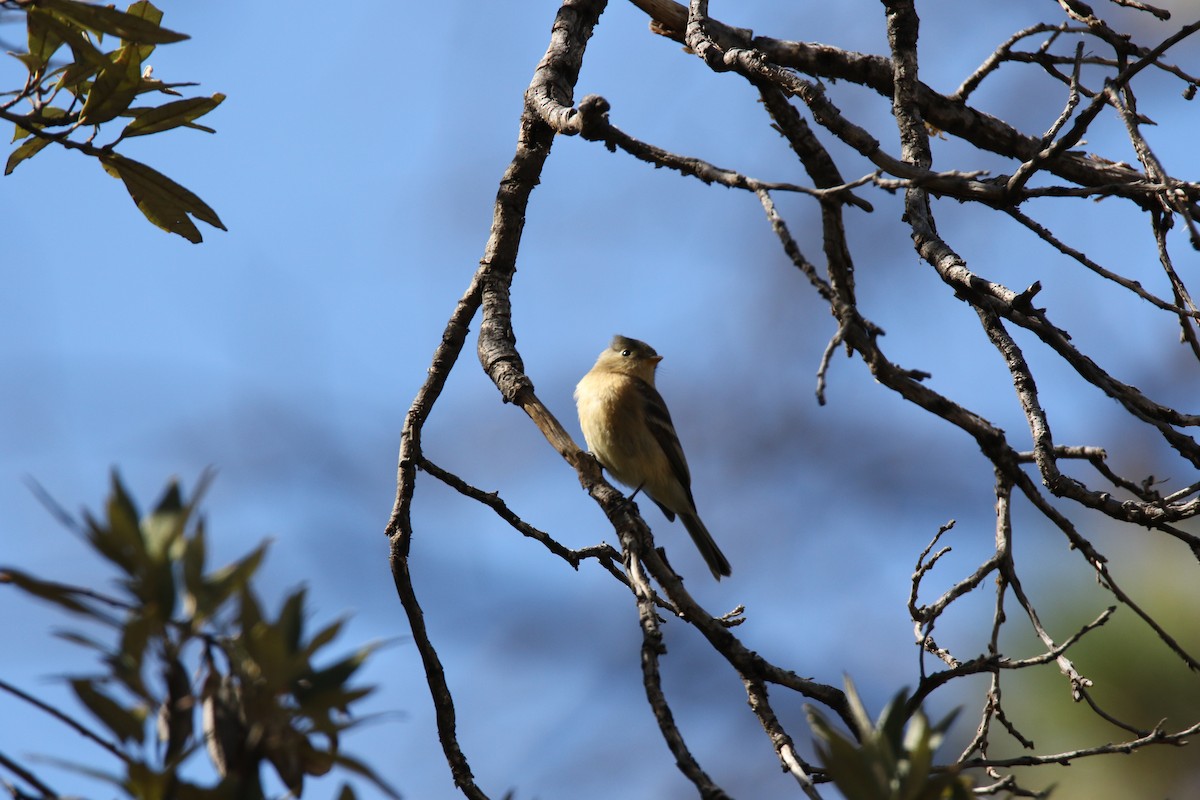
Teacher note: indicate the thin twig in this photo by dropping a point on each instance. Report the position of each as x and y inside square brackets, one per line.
[67, 720]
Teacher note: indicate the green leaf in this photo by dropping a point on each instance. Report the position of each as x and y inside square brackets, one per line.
[250, 619]
[851, 768]
[120, 540]
[115, 87]
[263, 644]
[136, 25]
[126, 663]
[122, 511]
[29, 149]
[58, 593]
[172, 500]
[76, 78]
[285, 755]
[848, 765]
[163, 530]
[31, 62]
[333, 677]
[147, 12]
[177, 717]
[155, 587]
[891, 721]
[198, 604]
[942, 727]
[291, 620]
[359, 768]
[319, 708]
[234, 577]
[53, 31]
[48, 116]
[126, 724]
[144, 9]
[111, 546]
[82, 640]
[858, 712]
[163, 201]
[223, 722]
[146, 783]
[323, 637]
[918, 747]
[172, 115]
[44, 40]
[152, 84]
[893, 759]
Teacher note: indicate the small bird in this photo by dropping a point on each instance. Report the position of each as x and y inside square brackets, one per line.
[628, 429]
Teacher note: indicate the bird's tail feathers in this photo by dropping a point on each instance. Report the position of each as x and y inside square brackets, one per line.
[706, 545]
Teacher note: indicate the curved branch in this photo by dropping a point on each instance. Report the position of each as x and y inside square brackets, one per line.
[572, 27]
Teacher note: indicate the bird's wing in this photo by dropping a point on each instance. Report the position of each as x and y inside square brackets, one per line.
[658, 419]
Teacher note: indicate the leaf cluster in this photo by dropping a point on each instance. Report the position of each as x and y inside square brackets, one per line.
[69, 101]
[890, 759]
[193, 641]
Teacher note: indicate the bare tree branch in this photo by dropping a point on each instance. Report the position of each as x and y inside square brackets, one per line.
[1054, 479]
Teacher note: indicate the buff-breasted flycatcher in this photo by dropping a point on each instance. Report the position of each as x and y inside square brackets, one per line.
[628, 429]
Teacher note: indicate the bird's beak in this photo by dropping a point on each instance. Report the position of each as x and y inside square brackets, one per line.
[655, 359]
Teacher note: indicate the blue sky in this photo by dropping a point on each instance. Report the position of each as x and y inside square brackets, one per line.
[355, 164]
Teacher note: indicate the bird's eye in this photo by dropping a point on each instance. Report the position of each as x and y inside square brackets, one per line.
[626, 353]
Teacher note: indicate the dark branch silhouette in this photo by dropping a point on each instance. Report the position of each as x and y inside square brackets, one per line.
[788, 77]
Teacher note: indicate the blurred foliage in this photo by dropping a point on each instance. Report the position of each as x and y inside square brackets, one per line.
[69, 100]
[891, 759]
[1135, 678]
[191, 640]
